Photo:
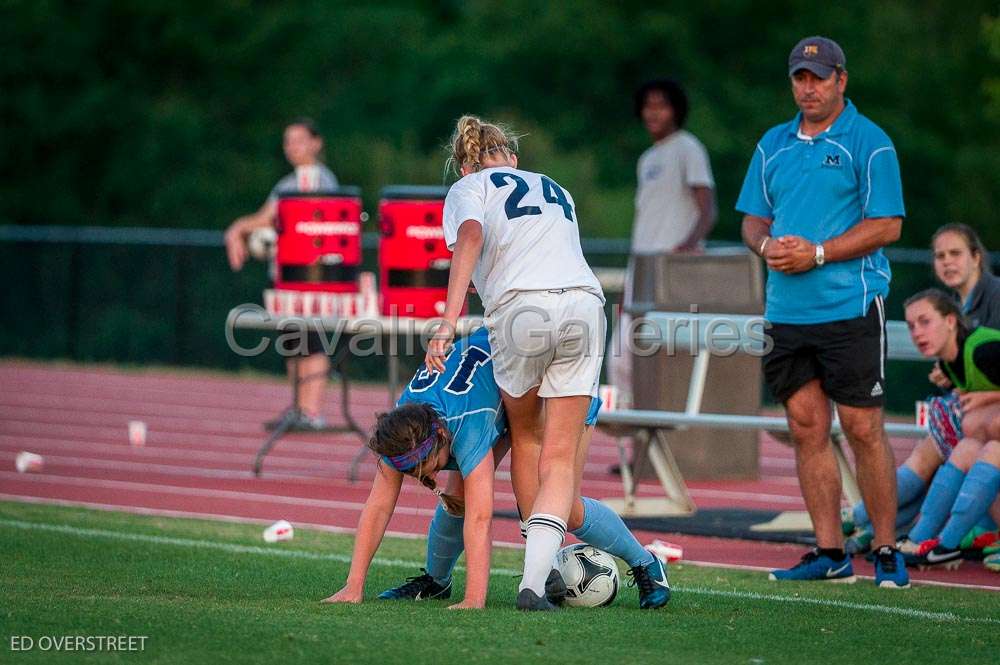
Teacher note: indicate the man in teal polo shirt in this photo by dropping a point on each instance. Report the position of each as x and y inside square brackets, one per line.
[821, 198]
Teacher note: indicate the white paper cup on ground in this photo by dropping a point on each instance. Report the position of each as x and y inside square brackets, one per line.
[666, 552]
[280, 530]
[137, 433]
[26, 462]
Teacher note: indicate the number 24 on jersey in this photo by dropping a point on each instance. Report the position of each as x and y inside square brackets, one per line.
[551, 192]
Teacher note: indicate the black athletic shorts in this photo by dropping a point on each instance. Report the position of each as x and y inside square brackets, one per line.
[848, 358]
[292, 344]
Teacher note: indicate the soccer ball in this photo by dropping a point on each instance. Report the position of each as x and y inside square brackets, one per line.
[590, 574]
[262, 243]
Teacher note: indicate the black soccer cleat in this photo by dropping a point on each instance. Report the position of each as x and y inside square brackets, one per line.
[529, 601]
[421, 587]
[651, 579]
[555, 588]
[933, 553]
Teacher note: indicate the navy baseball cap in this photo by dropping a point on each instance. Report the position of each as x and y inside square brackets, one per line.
[819, 55]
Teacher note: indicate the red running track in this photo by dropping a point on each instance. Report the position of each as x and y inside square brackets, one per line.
[204, 429]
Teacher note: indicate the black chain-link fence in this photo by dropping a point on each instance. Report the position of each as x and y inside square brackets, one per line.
[160, 296]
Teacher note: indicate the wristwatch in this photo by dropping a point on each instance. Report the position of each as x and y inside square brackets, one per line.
[820, 255]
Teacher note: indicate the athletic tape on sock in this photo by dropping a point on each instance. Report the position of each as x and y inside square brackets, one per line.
[544, 521]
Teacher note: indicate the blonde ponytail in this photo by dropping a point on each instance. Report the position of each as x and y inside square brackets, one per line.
[473, 139]
[469, 130]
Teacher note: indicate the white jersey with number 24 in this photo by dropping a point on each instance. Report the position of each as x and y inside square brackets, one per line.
[531, 240]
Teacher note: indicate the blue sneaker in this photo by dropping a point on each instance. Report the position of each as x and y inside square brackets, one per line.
[654, 589]
[816, 567]
[421, 587]
[890, 570]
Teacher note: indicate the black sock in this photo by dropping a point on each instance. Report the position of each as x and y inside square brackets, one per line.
[836, 555]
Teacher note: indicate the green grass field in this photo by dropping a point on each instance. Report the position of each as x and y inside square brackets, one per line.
[209, 592]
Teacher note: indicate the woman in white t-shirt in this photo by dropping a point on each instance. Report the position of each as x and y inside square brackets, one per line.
[515, 236]
[303, 147]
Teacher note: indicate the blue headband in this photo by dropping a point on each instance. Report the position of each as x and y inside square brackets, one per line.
[409, 460]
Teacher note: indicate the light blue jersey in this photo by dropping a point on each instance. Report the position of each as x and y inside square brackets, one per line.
[466, 396]
[818, 188]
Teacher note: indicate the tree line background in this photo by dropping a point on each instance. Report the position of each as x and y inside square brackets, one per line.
[168, 113]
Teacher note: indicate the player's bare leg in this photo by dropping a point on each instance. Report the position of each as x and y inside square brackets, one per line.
[819, 477]
[546, 527]
[524, 417]
[558, 484]
[313, 370]
[524, 478]
[925, 459]
[875, 466]
[582, 449]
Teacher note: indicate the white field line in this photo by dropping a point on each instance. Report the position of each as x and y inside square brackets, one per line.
[941, 617]
[767, 569]
[184, 514]
[215, 517]
[517, 545]
[231, 548]
[948, 617]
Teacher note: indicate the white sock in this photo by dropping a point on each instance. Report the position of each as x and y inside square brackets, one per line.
[545, 536]
[524, 528]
